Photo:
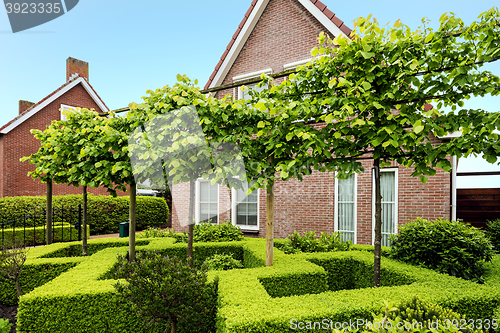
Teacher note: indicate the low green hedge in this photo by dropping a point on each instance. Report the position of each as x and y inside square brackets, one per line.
[104, 212]
[299, 287]
[33, 276]
[36, 236]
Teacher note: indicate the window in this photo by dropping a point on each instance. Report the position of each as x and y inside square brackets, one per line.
[65, 108]
[345, 207]
[245, 212]
[389, 192]
[244, 94]
[207, 201]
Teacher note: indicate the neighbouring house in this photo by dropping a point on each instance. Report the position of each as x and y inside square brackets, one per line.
[274, 36]
[16, 140]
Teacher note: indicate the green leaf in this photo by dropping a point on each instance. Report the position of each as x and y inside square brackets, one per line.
[418, 127]
[261, 124]
[289, 136]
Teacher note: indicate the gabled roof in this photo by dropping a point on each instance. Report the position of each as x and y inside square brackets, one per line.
[319, 10]
[52, 97]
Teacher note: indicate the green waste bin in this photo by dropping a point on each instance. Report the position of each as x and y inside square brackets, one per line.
[124, 229]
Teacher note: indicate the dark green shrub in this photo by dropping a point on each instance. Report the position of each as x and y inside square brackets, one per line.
[222, 262]
[308, 242]
[449, 247]
[168, 291]
[5, 325]
[224, 232]
[104, 212]
[493, 234]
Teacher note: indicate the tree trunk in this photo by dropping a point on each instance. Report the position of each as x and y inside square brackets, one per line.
[18, 287]
[174, 326]
[84, 222]
[270, 224]
[48, 235]
[131, 230]
[378, 225]
[190, 220]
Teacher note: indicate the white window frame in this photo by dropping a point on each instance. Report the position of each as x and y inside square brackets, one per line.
[65, 107]
[197, 200]
[234, 197]
[295, 64]
[336, 215]
[396, 195]
[253, 75]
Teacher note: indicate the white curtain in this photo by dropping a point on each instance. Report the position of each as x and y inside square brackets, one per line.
[346, 208]
[209, 195]
[388, 191]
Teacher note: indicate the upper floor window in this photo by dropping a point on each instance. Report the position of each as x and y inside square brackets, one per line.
[64, 109]
[244, 94]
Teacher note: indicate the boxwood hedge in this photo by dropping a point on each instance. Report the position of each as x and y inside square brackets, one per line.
[104, 212]
[300, 287]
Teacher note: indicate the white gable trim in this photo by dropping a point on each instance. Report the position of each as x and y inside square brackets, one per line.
[322, 18]
[239, 42]
[250, 25]
[52, 98]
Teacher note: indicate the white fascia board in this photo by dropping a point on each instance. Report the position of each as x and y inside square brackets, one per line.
[458, 134]
[92, 94]
[239, 42]
[53, 98]
[322, 18]
[293, 65]
[252, 75]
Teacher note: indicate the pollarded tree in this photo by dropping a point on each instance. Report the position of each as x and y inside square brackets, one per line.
[169, 146]
[63, 156]
[87, 150]
[374, 89]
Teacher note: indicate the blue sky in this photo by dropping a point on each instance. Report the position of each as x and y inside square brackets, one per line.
[134, 46]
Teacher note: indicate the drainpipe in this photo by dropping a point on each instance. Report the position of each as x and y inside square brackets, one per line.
[454, 163]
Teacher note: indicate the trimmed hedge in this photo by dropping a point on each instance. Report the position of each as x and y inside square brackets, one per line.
[255, 299]
[33, 276]
[104, 212]
[36, 236]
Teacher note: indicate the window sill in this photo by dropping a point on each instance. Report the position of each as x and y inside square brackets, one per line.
[250, 231]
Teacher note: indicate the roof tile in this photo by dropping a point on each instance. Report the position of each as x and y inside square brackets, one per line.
[345, 29]
[320, 5]
[328, 13]
[243, 22]
[338, 22]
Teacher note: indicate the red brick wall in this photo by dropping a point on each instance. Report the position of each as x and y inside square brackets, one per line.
[19, 142]
[286, 33]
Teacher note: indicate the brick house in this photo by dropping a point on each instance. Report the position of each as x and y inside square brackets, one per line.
[16, 140]
[274, 36]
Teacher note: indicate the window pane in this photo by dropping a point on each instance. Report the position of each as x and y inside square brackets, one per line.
[346, 208]
[388, 192]
[204, 191]
[213, 192]
[252, 220]
[241, 209]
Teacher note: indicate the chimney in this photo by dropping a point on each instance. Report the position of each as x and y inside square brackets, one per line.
[75, 66]
[24, 105]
